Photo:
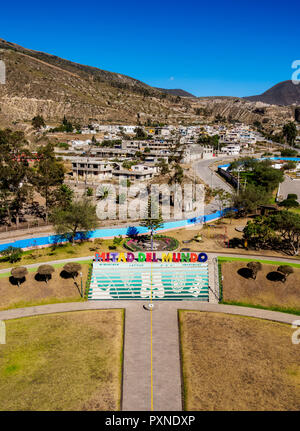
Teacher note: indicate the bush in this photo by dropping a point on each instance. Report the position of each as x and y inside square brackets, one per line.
[112, 247]
[289, 203]
[292, 196]
[13, 254]
[118, 240]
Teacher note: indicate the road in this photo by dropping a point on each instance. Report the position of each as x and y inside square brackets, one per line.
[213, 180]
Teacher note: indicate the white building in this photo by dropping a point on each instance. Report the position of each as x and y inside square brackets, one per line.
[92, 169]
[232, 149]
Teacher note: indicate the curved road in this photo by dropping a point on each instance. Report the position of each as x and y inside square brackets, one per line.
[213, 180]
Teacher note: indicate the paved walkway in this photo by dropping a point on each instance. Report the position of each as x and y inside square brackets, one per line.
[210, 253]
[166, 356]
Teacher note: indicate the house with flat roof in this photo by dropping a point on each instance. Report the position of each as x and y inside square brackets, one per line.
[83, 167]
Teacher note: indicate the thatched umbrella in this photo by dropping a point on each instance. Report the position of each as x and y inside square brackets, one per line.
[285, 270]
[72, 268]
[45, 271]
[19, 273]
[254, 267]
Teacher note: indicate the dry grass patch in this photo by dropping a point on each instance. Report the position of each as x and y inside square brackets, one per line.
[68, 361]
[33, 292]
[261, 291]
[238, 363]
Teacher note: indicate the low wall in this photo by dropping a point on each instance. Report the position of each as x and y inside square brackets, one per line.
[228, 177]
[46, 241]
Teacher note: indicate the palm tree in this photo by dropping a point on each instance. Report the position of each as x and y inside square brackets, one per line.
[254, 267]
[45, 271]
[286, 270]
[150, 222]
[19, 273]
[73, 269]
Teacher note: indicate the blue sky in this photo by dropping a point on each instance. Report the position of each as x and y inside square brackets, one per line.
[205, 47]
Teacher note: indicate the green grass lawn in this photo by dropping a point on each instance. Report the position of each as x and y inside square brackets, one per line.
[66, 361]
[65, 251]
[295, 210]
[247, 259]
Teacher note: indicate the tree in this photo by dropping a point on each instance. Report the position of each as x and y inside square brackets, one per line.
[249, 199]
[290, 165]
[163, 167]
[259, 233]
[73, 269]
[266, 176]
[289, 132]
[286, 270]
[207, 140]
[140, 133]
[13, 254]
[287, 224]
[63, 196]
[246, 163]
[14, 173]
[223, 198]
[288, 152]
[153, 219]
[80, 215]
[177, 176]
[48, 175]
[257, 124]
[19, 274]
[45, 271]
[38, 122]
[67, 125]
[254, 267]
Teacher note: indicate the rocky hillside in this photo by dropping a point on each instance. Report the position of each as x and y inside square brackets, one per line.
[176, 92]
[285, 93]
[39, 83]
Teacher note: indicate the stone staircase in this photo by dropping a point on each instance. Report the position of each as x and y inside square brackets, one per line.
[161, 281]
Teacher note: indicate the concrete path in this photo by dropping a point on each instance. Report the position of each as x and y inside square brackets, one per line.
[166, 357]
[210, 253]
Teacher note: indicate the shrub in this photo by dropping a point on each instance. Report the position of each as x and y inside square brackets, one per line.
[118, 240]
[13, 254]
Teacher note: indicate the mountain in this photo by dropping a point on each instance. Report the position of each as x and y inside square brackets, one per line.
[284, 93]
[44, 84]
[40, 83]
[176, 92]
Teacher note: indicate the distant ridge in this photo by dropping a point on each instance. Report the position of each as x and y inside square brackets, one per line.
[38, 83]
[176, 92]
[284, 93]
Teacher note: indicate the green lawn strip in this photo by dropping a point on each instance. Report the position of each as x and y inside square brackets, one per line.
[66, 251]
[295, 311]
[246, 259]
[48, 367]
[22, 304]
